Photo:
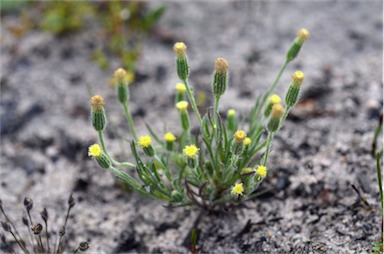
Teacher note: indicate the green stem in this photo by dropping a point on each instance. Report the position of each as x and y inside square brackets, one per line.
[129, 119]
[216, 110]
[269, 143]
[285, 115]
[193, 102]
[124, 164]
[165, 168]
[270, 90]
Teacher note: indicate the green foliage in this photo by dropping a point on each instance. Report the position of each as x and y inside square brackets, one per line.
[218, 166]
[62, 17]
[11, 5]
[121, 25]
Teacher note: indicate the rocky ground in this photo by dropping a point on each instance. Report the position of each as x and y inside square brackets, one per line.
[323, 149]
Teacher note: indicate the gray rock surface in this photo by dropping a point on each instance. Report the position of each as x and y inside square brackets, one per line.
[323, 148]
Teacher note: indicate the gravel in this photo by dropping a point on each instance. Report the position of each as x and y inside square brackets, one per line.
[324, 148]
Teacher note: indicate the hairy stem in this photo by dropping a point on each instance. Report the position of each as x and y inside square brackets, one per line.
[125, 164]
[128, 115]
[270, 90]
[193, 102]
[269, 143]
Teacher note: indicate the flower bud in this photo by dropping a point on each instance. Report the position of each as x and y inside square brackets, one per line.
[121, 83]
[145, 143]
[220, 77]
[83, 246]
[71, 201]
[98, 113]
[97, 153]
[274, 99]
[302, 35]
[292, 96]
[181, 60]
[238, 142]
[247, 141]
[37, 228]
[231, 120]
[169, 140]
[182, 106]
[240, 135]
[44, 214]
[276, 113]
[28, 203]
[180, 87]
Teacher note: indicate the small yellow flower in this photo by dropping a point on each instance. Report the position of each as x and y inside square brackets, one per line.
[182, 106]
[97, 101]
[120, 74]
[145, 141]
[240, 135]
[180, 48]
[246, 170]
[122, 77]
[298, 77]
[274, 99]
[169, 137]
[231, 113]
[247, 141]
[277, 111]
[221, 65]
[180, 87]
[94, 151]
[191, 151]
[303, 34]
[261, 171]
[238, 189]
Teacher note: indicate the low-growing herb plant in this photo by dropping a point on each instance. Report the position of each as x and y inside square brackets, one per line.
[218, 166]
[40, 239]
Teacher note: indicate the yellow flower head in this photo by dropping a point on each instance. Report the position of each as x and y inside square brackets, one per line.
[180, 87]
[297, 78]
[145, 141]
[97, 101]
[182, 106]
[247, 141]
[180, 48]
[94, 150]
[261, 171]
[221, 65]
[191, 151]
[240, 135]
[120, 74]
[122, 77]
[231, 113]
[169, 137]
[237, 189]
[246, 170]
[274, 99]
[277, 111]
[303, 34]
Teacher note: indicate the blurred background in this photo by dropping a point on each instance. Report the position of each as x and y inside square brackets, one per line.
[56, 54]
